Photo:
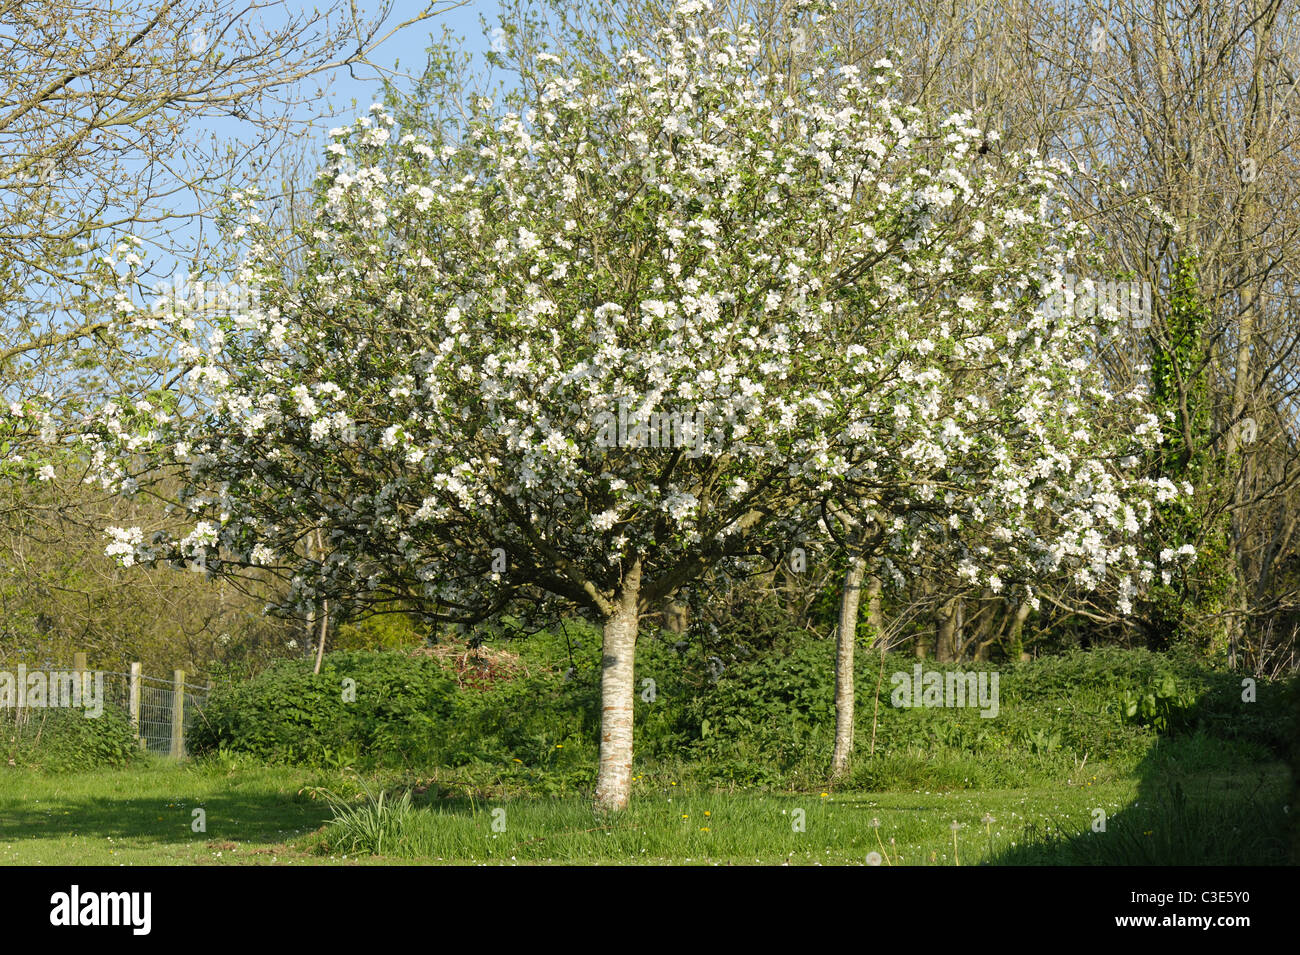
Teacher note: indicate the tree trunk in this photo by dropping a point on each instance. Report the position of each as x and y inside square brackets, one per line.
[844, 666]
[617, 696]
[875, 619]
[923, 643]
[1016, 649]
[675, 616]
[316, 550]
[946, 632]
[324, 631]
[1262, 18]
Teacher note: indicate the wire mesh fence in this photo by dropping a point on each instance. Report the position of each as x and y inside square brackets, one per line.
[160, 711]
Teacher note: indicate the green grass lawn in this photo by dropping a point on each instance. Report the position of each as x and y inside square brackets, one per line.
[259, 815]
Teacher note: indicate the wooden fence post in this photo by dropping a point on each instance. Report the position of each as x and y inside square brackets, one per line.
[133, 701]
[178, 714]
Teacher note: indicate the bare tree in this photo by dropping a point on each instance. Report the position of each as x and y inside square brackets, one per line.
[112, 120]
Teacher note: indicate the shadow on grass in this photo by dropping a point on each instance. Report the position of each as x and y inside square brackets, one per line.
[270, 817]
[1182, 816]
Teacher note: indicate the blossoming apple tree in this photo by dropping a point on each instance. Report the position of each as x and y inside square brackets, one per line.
[839, 293]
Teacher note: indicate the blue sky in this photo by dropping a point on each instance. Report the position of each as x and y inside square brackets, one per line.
[347, 95]
[406, 50]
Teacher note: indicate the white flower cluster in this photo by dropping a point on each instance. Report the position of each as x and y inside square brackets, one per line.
[828, 279]
[125, 544]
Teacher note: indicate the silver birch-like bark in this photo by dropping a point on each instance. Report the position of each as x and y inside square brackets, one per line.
[844, 666]
[617, 697]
